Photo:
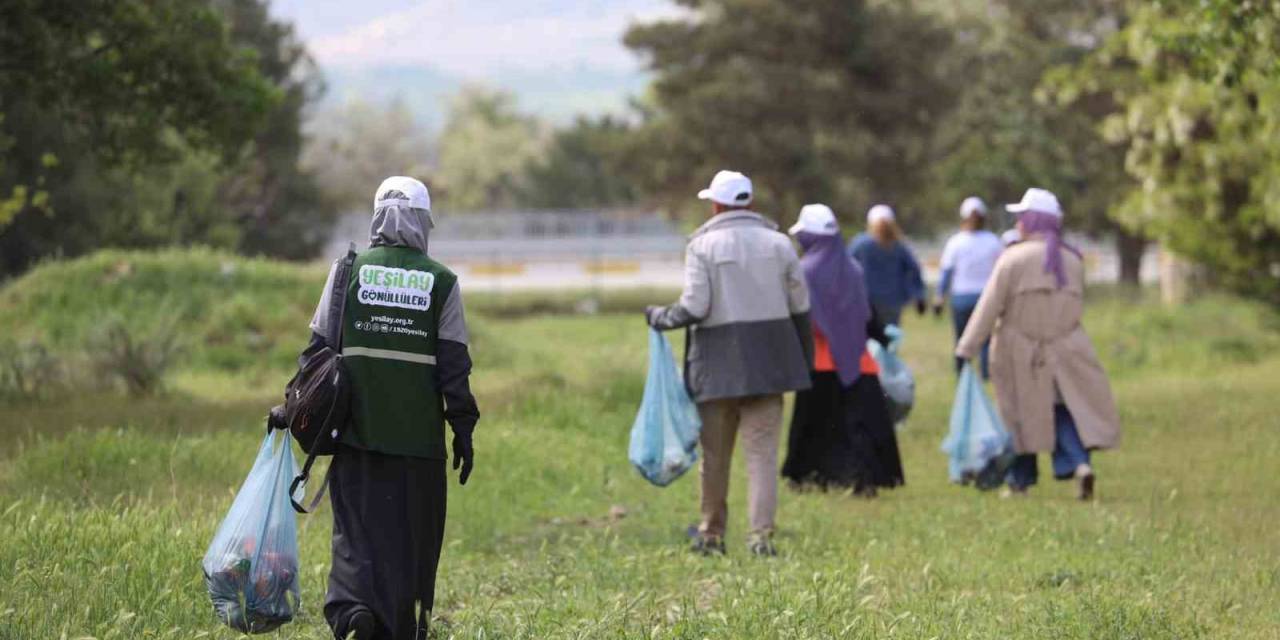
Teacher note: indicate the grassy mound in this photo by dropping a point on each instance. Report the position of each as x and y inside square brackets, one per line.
[228, 312]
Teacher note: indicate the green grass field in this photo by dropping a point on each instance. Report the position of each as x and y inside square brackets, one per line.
[107, 503]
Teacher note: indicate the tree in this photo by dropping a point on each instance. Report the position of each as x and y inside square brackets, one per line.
[1006, 134]
[484, 149]
[278, 206]
[587, 164]
[354, 147]
[1196, 89]
[140, 123]
[817, 100]
[114, 83]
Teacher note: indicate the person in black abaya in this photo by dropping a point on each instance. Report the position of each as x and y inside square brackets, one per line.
[404, 343]
[841, 431]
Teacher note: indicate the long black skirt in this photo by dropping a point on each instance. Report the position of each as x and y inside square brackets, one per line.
[843, 437]
[388, 527]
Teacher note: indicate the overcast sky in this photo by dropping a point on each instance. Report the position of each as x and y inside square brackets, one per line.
[471, 38]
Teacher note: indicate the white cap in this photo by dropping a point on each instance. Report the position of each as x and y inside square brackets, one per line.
[880, 212]
[817, 219]
[415, 193]
[973, 205]
[728, 188]
[1038, 200]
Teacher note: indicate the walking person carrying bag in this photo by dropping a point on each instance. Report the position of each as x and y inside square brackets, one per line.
[389, 351]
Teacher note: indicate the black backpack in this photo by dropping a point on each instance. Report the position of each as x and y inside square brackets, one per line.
[317, 401]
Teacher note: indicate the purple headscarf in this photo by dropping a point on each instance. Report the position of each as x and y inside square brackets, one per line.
[1049, 227]
[838, 299]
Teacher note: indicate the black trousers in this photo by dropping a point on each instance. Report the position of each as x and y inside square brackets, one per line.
[388, 528]
[843, 436]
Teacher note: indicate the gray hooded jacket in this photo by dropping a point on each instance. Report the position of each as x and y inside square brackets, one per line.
[747, 307]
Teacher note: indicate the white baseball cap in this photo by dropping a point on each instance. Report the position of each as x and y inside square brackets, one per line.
[817, 219]
[1038, 200]
[728, 188]
[415, 194]
[880, 212]
[972, 206]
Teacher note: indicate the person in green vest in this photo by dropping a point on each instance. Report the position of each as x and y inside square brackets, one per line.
[404, 341]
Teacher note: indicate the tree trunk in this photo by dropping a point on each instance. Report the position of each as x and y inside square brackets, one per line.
[1180, 279]
[1130, 248]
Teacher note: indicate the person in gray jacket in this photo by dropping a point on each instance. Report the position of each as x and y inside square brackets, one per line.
[746, 307]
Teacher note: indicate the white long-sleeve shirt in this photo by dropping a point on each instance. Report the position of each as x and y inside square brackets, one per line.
[970, 257]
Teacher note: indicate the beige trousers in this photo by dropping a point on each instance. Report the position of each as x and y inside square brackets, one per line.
[759, 420]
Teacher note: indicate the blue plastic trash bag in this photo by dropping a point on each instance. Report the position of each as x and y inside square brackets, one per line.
[664, 437]
[978, 446]
[896, 379]
[251, 567]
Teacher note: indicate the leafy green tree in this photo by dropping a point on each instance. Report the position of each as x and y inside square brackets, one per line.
[278, 206]
[587, 164]
[352, 148]
[142, 123]
[818, 100]
[113, 81]
[484, 148]
[1196, 89]
[1006, 134]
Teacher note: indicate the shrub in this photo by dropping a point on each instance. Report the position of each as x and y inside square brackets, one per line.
[137, 357]
[28, 370]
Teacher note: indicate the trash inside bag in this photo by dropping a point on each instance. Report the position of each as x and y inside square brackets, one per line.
[664, 437]
[251, 567]
[895, 376]
[978, 447]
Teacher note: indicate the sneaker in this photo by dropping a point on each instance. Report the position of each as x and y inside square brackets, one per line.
[708, 545]
[762, 546]
[1085, 480]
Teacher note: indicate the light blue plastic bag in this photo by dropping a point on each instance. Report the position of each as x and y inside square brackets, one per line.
[664, 437]
[251, 567]
[896, 379]
[978, 447]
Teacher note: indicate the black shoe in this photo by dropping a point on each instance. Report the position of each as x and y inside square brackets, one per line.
[361, 625]
[1086, 481]
[708, 545]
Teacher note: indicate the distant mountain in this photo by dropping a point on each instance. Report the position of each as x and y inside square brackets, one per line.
[555, 94]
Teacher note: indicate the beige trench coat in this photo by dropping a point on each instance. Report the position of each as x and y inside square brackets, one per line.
[1037, 339]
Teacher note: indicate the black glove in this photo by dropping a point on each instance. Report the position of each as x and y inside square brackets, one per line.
[463, 455]
[651, 314]
[921, 306]
[276, 418]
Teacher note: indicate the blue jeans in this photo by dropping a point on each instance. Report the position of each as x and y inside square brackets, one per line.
[1068, 453]
[962, 307]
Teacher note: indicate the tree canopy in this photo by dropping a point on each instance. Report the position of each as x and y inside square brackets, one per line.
[485, 147]
[1196, 89]
[818, 100]
[141, 123]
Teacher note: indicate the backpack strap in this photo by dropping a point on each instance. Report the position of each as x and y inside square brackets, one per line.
[337, 312]
[338, 297]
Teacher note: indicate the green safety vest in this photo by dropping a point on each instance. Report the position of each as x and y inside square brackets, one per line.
[389, 346]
